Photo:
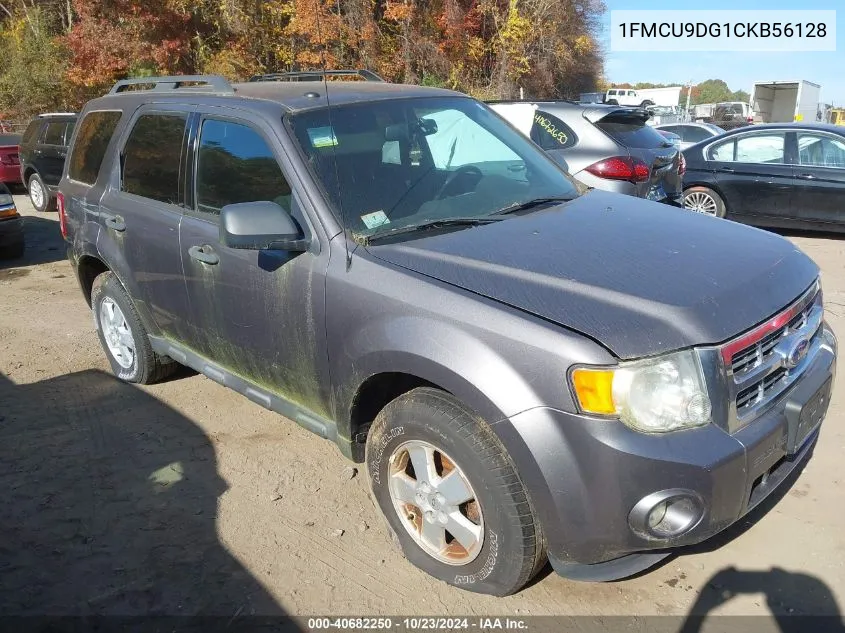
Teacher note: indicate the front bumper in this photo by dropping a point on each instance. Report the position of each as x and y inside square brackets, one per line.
[586, 475]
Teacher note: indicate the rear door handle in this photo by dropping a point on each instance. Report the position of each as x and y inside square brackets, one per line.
[728, 170]
[116, 222]
[204, 254]
[806, 176]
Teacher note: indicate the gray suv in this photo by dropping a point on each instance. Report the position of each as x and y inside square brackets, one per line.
[530, 371]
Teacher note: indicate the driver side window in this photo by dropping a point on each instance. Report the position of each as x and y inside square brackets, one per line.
[235, 164]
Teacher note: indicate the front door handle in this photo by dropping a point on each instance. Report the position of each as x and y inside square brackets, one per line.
[806, 176]
[116, 222]
[728, 170]
[204, 254]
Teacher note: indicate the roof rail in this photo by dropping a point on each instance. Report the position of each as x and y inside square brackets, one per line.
[214, 83]
[48, 114]
[317, 75]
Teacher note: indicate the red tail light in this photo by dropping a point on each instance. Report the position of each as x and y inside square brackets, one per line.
[682, 165]
[621, 168]
[9, 159]
[60, 206]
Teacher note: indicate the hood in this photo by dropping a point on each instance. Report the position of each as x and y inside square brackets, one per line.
[639, 277]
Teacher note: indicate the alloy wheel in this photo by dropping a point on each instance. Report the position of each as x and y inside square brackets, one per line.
[116, 333]
[436, 503]
[701, 202]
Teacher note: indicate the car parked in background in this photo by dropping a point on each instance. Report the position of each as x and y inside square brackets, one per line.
[732, 115]
[788, 175]
[671, 137]
[606, 147]
[11, 226]
[692, 133]
[10, 170]
[43, 150]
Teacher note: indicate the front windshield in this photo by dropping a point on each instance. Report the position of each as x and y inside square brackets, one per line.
[408, 162]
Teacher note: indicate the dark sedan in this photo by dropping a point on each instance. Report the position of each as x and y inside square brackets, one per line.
[776, 175]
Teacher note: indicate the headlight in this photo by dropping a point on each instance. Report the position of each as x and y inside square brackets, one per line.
[5, 199]
[656, 395]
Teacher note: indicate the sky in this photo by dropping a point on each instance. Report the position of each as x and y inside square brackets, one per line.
[739, 69]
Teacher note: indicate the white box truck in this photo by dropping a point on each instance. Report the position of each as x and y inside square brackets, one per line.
[785, 101]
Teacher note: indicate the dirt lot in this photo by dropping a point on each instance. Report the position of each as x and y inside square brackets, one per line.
[185, 497]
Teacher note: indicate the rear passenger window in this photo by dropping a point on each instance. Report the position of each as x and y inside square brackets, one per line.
[152, 157]
[55, 133]
[95, 132]
[234, 165]
[549, 132]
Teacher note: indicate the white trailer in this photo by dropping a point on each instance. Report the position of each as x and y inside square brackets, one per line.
[785, 101]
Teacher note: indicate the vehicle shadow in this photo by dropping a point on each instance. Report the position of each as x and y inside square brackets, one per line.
[44, 242]
[109, 504]
[798, 602]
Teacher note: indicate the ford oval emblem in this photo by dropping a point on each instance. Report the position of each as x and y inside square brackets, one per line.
[797, 353]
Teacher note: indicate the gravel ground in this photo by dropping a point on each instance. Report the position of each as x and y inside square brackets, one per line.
[186, 498]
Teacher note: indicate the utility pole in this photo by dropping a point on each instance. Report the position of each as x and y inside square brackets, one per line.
[689, 95]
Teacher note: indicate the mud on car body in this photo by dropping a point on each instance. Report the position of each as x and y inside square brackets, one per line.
[530, 371]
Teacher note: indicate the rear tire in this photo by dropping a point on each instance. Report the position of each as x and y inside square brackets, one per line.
[612, 102]
[469, 487]
[704, 200]
[123, 336]
[39, 195]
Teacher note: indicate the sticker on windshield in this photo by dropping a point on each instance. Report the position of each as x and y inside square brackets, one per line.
[322, 136]
[375, 219]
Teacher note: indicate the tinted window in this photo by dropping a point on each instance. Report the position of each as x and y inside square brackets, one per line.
[549, 132]
[235, 164]
[694, 134]
[55, 133]
[153, 155]
[631, 132]
[88, 151]
[31, 132]
[817, 150]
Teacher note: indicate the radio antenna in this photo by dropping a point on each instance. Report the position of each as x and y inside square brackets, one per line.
[333, 138]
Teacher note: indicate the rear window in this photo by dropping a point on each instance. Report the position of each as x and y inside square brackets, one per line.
[88, 151]
[549, 132]
[631, 132]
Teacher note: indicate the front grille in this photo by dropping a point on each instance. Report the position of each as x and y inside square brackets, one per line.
[762, 363]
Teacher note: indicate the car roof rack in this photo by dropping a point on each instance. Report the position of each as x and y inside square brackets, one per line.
[212, 83]
[317, 75]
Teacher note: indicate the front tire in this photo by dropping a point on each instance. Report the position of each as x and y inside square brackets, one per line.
[123, 336]
[39, 195]
[704, 200]
[451, 495]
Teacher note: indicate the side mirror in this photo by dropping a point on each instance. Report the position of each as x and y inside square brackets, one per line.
[259, 226]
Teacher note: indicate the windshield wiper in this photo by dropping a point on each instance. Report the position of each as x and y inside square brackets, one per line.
[434, 224]
[529, 204]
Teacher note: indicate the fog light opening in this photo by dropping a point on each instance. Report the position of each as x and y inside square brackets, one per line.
[673, 517]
